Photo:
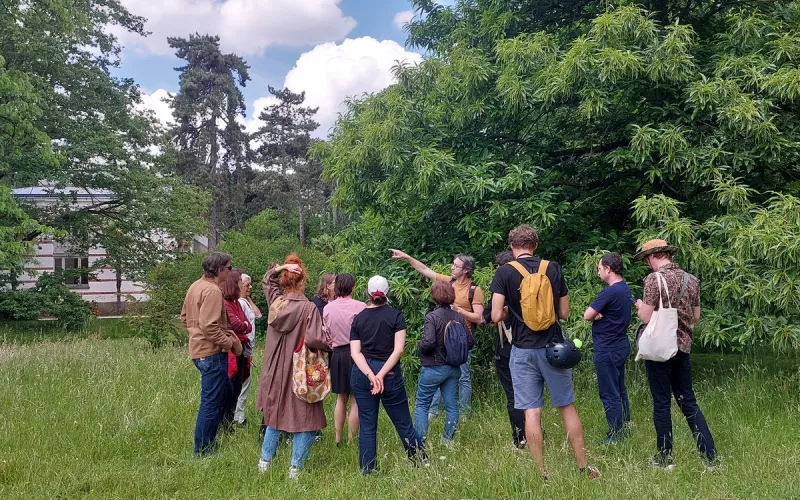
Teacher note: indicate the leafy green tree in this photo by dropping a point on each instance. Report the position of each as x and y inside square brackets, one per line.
[15, 226]
[65, 120]
[212, 146]
[563, 115]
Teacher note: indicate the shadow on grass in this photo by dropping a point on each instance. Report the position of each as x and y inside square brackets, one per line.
[26, 332]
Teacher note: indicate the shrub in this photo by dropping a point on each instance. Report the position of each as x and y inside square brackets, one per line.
[50, 298]
[252, 250]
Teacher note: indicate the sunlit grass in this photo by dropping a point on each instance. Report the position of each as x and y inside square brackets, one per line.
[113, 418]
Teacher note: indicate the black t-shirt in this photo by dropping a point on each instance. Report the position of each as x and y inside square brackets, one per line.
[507, 281]
[375, 328]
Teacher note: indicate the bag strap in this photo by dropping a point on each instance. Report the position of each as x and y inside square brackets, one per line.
[661, 280]
[683, 288]
[504, 332]
[520, 268]
[470, 294]
[543, 266]
[303, 329]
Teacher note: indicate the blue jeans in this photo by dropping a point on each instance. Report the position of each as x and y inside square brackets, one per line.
[301, 443]
[215, 389]
[610, 368]
[437, 380]
[674, 378]
[464, 392]
[395, 402]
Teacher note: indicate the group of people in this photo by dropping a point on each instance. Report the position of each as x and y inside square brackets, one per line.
[366, 342]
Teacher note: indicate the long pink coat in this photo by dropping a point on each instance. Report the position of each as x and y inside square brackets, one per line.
[282, 409]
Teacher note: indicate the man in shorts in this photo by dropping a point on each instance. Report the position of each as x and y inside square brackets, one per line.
[530, 370]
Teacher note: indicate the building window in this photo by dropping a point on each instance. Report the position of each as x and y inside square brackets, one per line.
[77, 279]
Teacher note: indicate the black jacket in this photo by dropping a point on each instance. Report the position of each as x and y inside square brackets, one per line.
[431, 346]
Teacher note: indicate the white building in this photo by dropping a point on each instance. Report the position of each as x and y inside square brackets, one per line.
[51, 256]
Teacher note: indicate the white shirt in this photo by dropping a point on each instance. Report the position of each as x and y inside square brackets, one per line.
[251, 317]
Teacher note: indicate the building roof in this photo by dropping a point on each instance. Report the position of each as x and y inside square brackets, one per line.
[47, 191]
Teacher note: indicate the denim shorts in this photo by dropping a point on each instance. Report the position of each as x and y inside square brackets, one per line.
[530, 372]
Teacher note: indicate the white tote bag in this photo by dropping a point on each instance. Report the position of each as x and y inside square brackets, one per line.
[659, 341]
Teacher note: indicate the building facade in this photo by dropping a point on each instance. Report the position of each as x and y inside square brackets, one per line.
[99, 283]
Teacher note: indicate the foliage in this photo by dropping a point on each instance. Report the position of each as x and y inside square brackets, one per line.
[563, 116]
[283, 144]
[50, 298]
[748, 255]
[211, 146]
[66, 122]
[263, 240]
[15, 225]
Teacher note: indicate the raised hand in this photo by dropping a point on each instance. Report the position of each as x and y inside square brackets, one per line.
[291, 268]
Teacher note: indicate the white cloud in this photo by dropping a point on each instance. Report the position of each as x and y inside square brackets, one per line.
[328, 74]
[331, 72]
[401, 18]
[156, 103]
[244, 26]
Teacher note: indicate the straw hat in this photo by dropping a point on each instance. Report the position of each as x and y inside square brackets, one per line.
[655, 246]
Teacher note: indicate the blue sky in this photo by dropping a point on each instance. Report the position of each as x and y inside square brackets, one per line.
[330, 49]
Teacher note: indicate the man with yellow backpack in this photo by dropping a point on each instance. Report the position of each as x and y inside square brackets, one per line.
[533, 294]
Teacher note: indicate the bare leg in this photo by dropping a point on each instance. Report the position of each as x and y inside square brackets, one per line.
[574, 430]
[352, 420]
[533, 433]
[338, 415]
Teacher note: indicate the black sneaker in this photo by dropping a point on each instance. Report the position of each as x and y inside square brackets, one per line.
[662, 461]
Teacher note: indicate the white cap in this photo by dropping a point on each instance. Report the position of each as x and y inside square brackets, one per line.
[378, 285]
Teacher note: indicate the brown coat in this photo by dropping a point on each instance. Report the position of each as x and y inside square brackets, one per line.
[282, 409]
[203, 315]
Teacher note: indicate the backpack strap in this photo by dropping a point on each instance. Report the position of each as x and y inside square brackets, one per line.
[520, 268]
[543, 266]
[470, 294]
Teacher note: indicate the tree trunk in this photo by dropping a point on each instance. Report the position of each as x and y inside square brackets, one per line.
[119, 286]
[213, 160]
[301, 223]
[212, 228]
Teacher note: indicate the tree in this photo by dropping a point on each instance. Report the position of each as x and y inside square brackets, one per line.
[283, 145]
[212, 146]
[65, 120]
[15, 226]
[563, 115]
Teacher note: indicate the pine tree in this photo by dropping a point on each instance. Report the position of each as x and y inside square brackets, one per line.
[212, 146]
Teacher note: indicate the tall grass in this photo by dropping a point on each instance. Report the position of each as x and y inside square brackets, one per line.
[114, 419]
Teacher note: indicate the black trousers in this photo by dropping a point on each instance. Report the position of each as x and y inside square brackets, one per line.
[516, 417]
[674, 378]
[237, 380]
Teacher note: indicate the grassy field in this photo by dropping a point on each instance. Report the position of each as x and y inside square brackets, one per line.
[110, 418]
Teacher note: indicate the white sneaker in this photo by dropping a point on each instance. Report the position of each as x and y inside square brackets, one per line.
[263, 465]
[294, 472]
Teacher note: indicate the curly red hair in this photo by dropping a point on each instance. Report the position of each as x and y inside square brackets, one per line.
[292, 282]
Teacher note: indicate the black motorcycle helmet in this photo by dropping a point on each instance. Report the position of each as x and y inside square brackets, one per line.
[563, 354]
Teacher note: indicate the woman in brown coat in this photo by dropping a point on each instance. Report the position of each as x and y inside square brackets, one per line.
[291, 315]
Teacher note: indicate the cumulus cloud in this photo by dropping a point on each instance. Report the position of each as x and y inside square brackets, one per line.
[331, 72]
[245, 26]
[401, 18]
[158, 103]
[328, 74]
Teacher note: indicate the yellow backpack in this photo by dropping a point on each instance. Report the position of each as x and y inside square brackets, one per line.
[536, 297]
